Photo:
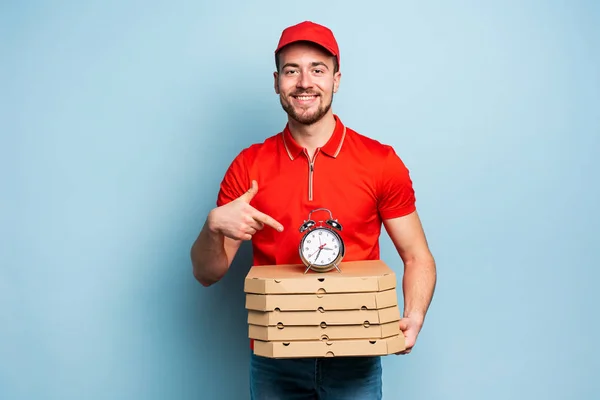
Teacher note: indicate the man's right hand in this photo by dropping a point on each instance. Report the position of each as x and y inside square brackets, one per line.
[238, 219]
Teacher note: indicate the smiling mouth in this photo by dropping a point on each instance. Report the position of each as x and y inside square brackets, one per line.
[305, 97]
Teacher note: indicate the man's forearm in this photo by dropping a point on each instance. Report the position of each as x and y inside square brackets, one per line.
[209, 257]
[418, 286]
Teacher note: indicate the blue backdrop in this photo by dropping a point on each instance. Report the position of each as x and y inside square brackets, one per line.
[118, 120]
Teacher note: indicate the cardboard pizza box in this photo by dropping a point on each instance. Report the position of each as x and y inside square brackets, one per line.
[323, 332]
[322, 302]
[331, 348]
[321, 316]
[297, 313]
[355, 277]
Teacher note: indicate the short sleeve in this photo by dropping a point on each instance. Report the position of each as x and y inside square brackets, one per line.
[235, 182]
[396, 197]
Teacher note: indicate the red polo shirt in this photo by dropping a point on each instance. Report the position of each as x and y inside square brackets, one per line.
[360, 180]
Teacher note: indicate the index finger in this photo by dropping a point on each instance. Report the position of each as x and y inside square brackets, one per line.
[267, 220]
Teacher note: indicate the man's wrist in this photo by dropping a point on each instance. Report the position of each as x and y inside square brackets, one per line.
[211, 223]
[416, 316]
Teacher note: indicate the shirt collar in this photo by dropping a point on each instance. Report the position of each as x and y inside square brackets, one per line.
[331, 148]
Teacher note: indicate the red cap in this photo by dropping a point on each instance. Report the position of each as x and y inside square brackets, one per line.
[311, 32]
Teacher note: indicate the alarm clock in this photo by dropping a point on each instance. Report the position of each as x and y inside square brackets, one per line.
[321, 246]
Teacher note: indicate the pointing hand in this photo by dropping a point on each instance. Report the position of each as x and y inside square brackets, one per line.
[239, 220]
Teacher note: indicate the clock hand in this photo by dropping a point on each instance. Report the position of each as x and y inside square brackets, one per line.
[321, 247]
[318, 253]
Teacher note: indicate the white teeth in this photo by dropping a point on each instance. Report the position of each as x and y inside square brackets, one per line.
[306, 97]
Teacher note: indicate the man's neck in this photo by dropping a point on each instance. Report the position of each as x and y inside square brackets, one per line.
[313, 136]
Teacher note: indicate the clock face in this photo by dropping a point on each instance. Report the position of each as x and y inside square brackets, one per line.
[321, 246]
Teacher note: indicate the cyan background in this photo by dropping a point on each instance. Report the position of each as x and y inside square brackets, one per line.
[118, 119]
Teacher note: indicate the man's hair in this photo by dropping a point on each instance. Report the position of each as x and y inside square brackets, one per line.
[336, 66]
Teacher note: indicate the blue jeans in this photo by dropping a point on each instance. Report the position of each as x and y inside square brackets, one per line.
[336, 378]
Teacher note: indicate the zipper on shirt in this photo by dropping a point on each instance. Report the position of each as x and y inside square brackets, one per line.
[311, 171]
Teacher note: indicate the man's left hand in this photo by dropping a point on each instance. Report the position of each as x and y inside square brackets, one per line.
[410, 327]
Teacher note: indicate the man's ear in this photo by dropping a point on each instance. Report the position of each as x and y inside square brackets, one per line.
[336, 81]
[276, 82]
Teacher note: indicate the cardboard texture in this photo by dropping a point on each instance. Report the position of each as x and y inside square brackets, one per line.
[349, 313]
[317, 317]
[355, 276]
[324, 332]
[339, 348]
[327, 302]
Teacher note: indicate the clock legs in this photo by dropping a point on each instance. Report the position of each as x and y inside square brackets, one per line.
[310, 266]
[336, 267]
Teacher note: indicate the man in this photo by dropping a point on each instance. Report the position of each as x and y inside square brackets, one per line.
[316, 161]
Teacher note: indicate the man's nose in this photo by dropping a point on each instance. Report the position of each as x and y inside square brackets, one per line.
[304, 81]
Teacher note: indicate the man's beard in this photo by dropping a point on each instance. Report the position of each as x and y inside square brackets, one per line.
[303, 118]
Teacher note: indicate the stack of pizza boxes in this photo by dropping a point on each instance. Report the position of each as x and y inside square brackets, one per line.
[349, 311]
